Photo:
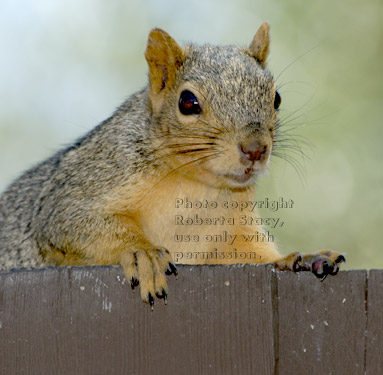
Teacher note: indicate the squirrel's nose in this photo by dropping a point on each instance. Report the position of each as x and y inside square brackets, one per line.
[253, 151]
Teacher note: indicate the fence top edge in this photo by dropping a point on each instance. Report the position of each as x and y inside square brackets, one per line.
[180, 266]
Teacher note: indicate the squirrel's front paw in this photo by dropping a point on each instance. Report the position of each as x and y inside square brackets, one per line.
[147, 268]
[321, 263]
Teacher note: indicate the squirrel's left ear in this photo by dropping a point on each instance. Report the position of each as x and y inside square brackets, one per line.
[164, 57]
[259, 47]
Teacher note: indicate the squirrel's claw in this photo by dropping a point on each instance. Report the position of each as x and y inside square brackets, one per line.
[172, 270]
[151, 301]
[163, 295]
[321, 268]
[134, 282]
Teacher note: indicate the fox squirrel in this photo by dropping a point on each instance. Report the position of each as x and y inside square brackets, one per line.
[203, 129]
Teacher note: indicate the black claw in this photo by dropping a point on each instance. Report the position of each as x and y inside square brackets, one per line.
[297, 266]
[171, 270]
[334, 270]
[340, 259]
[326, 268]
[163, 295]
[151, 301]
[321, 268]
[134, 282]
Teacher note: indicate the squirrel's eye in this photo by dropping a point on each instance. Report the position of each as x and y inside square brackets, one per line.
[277, 100]
[188, 103]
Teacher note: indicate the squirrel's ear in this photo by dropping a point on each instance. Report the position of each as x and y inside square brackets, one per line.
[259, 47]
[164, 57]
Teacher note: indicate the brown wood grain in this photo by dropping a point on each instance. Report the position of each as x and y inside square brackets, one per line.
[374, 334]
[322, 324]
[219, 320]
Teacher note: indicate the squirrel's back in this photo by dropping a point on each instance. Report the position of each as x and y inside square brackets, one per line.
[17, 207]
[81, 173]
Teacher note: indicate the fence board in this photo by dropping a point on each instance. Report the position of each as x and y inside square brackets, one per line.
[374, 335]
[219, 320]
[87, 321]
[321, 324]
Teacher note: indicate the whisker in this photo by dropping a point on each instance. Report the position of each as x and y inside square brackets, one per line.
[185, 135]
[175, 145]
[294, 163]
[294, 82]
[212, 156]
[190, 164]
[301, 107]
[181, 152]
[176, 148]
[295, 60]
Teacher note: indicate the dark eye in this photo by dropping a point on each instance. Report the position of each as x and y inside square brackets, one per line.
[188, 103]
[277, 100]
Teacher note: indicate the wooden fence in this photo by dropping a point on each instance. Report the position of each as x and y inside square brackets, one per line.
[219, 320]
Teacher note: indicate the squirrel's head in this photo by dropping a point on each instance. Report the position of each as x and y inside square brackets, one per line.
[214, 108]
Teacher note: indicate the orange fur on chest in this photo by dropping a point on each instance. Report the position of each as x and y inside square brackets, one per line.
[198, 226]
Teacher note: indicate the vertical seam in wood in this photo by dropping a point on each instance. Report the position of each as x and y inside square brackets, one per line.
[275, 318]
[366, 321]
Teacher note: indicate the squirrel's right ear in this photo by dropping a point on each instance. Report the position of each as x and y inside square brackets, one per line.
[259, 47]
[164, 57]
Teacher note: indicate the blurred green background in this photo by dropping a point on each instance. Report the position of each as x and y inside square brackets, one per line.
[65, 66]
